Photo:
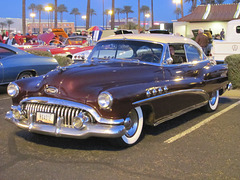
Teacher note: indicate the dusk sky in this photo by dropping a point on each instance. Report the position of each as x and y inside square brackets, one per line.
[164, 9]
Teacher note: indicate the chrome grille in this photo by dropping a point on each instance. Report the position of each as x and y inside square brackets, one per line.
[68, 113]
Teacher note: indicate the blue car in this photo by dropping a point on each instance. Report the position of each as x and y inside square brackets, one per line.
[17, 64]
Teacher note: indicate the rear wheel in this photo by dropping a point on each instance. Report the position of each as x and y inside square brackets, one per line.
[213, 102]
[134, 126]
[24, 75]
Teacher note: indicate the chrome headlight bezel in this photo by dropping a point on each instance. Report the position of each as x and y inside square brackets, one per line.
[105, 100]
[13, 89]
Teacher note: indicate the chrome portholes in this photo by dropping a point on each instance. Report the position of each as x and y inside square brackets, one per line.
[154, 91]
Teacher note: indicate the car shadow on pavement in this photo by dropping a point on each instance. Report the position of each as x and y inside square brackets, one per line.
[3, 89]
[91, 143]
[185, 118]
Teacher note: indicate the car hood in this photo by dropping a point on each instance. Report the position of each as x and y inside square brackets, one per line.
[81, 82]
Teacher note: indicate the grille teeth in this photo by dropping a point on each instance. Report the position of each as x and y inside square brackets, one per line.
[60, 111]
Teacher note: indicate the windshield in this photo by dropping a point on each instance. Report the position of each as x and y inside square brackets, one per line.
[76, 41]
[128, 50]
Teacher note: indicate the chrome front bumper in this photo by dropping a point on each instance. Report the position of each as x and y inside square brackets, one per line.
[88, 129]
[109, 128]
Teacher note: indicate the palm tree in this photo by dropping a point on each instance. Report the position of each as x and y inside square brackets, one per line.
[103, 12]
[127, 10]
[118, 11]
[61, 9]
[152, 12]
[113, 15]
[220, 1]
[144, 9]
[55, 15]
[39, 8]
[182, 8]
[177, 12]
[139, 13]
[2, 24]
[9, 22]
[32, 7]
[24, 17]
[92, 12]
[236, 1]
[88, 14]
[75, 12]
[194, 4]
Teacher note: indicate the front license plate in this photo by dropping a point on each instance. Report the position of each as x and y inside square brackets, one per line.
[47, 118]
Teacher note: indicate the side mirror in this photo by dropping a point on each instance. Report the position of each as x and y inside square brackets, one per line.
[168, 61]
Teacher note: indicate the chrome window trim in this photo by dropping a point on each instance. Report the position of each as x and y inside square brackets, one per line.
[48, 100]
[147, 41]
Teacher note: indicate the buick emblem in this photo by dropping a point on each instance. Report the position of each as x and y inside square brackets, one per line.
[234, 47]
[50, 90]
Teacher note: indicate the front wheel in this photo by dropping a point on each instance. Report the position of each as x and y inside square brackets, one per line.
[134, 126]
[213, 102]
[25, 75]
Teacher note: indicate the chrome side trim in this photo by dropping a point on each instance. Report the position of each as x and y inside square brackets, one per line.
[176, 114]
[48, 100]
[170, 94]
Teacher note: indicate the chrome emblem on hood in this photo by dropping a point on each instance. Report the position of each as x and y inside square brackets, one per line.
[50, 90]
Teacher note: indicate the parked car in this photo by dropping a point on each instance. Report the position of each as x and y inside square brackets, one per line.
[69, 51]
[17, 64]
[128, 81]
[82, 54]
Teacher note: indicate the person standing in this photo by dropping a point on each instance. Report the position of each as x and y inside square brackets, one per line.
[29, 37]
[202, 40]
[222, 34]
[19, 38]
[11, 40]
[1, 39]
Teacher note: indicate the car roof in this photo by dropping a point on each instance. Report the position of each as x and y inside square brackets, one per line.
[160, 38]
[12, 48]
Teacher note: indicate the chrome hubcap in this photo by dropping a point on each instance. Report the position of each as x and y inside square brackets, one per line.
[214, 98]
[132, 123]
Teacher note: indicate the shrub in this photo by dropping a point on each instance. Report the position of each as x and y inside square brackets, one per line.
[233, 62]
[62, 60]
[40, 53]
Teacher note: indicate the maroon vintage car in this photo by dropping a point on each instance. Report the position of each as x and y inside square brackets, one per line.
[128, 81]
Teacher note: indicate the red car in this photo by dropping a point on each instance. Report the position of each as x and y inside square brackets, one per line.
[69, 51]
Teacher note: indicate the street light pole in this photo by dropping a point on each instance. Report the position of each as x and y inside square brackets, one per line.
[33, 15]
[110, 12]
[84, 17]
[48, 9]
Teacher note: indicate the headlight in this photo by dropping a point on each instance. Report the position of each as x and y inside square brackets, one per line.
[105, 100]
[13, 89]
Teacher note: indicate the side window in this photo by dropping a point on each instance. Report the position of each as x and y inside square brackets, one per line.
[193, 53]
[5, 52]
[177, 53]
[238, 29]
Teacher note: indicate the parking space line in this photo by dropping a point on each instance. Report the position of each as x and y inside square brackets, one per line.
[193, 128]
[5, 98]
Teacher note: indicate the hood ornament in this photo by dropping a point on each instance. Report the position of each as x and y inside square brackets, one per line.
[50, 90]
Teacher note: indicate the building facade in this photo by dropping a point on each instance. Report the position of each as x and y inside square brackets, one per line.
[214, 17]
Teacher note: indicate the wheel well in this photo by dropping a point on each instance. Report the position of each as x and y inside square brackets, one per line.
[34, 73]
[148, 114]
[69, 56]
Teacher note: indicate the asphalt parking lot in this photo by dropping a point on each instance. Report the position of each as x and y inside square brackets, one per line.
[196, 145]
